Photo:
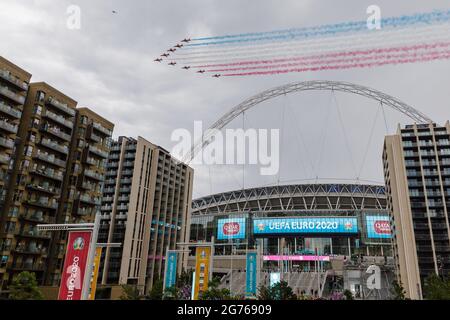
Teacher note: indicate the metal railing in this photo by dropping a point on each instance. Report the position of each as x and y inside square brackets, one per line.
[61, 106]
[11, 111]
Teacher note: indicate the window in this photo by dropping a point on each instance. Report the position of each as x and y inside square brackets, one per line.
[29, 151]
[35, 123]
[4, 261]
[37, 109]
[40, 96]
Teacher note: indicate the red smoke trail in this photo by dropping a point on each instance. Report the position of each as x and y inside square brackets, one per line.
[333, 61]
[445, 55]
[333, 55]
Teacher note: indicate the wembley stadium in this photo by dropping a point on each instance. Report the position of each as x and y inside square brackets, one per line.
[317, 237]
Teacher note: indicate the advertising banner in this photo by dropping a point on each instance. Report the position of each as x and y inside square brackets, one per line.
[250, 282]
[74, 269]
[378, 227]
[171, 270]
[307, 225]
[96, 266]
[231, 228]
[202, 265]
[296, 258]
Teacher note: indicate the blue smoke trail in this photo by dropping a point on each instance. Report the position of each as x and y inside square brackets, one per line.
[323, 30]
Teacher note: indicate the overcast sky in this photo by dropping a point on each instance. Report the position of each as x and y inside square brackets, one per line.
[108, 66]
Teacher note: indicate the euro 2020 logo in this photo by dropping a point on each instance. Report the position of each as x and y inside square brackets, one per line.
[78, 244]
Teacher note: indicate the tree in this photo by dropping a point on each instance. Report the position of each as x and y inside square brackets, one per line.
[398, 291]
[157, 290]
[264, 293]
[282, 291]
[24, 287]
[130, 292]
[214, 293]
[279, 291]
[435, 288]
[171, 293]
[348, 294]
[184, 279]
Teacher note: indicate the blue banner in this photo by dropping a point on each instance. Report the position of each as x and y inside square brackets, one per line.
[306, 225]
[378, 227]
[250, 285]
[231, 228]
[171, 270]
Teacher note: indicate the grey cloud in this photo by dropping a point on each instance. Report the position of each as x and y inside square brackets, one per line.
[108, 65]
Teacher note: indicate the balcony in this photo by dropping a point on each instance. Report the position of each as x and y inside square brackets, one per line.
[98, 152]
[88, 199]
[48, 174]
[114, 157]
[33, 234]
[112, 164]
[125, 181]
[58, 119]
[12, 128]
[101, 128]
[50, 158]
[22, 85]
[28, 267]
[12, 95]
[88, 186]
[84, 212]
[131, 147]
[128, 164]
[94, 175]
[42, 204]
[94, 137]
[91, 161]
[55, 146]
[56, 132]
[127, 172]
[110, 181]
[61, 106]
[46, 189]
[108, 190]
[10, 111]
[122, 207]
[5, 159]
[111, 173]
[6, 143]
[30, 251]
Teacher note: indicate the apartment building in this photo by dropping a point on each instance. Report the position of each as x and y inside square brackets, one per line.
[146, 208]
[14, 83]
[41, 159]
[54, 174]
[417, 174]
[83, 183]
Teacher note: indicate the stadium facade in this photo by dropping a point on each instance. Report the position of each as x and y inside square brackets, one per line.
[298, 230]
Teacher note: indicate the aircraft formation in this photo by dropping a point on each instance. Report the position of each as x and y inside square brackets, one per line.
[173, 63]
